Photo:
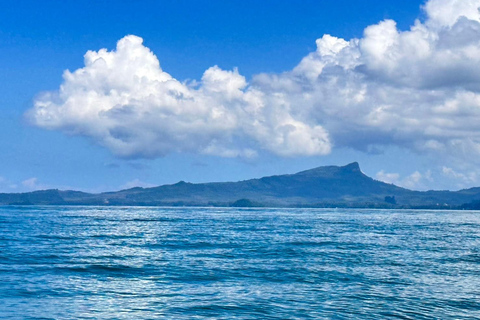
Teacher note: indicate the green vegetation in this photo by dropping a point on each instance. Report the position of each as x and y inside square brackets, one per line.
[322, 187]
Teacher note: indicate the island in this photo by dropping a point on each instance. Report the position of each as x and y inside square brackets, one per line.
[323, 187]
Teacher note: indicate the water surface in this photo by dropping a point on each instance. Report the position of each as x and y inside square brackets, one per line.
[210, 263]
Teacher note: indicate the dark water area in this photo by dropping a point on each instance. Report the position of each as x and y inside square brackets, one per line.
[203, 263]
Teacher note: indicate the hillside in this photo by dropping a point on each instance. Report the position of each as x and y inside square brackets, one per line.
[324, 186]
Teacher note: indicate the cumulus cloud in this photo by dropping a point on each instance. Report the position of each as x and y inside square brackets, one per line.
[415, 181]
[136, 183]
[418, 89]
[412, 181]
[32, 184]
[387, 177]
[463, 179]
[124, 101]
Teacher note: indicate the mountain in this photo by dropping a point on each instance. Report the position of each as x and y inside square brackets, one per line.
[329, 186]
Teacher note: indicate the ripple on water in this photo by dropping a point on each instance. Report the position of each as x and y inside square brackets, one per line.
[185, 263]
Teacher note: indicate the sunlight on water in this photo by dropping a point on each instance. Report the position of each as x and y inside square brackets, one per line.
[198, 263]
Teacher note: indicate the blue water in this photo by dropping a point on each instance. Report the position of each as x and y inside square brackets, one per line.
[191, 263]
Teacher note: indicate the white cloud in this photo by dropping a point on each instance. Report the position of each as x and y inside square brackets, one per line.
[446, 12]
[415, 181]
[412, 181]
[417, 89]
[392, 178]
[136, 183]
[461, 179]
[32, 184]
[124, 101]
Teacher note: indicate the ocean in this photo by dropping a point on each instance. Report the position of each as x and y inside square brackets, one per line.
[230, 263]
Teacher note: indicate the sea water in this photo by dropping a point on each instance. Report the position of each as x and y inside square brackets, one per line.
[226, 263]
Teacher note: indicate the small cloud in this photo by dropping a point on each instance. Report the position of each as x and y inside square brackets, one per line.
[136, 183]
[462, 179]
[415, 181]
[32, 184]
[412, 181]
[387, 177]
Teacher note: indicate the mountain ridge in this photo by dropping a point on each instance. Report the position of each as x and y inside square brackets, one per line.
[324, 186]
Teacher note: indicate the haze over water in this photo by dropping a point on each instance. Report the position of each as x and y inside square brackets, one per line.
[205, 263]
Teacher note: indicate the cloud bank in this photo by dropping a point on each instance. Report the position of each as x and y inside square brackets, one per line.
[417, 89]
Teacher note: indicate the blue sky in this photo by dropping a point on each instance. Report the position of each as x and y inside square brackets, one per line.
[398, 99]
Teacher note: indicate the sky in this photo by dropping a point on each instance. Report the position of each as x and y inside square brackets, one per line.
[107, 95]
